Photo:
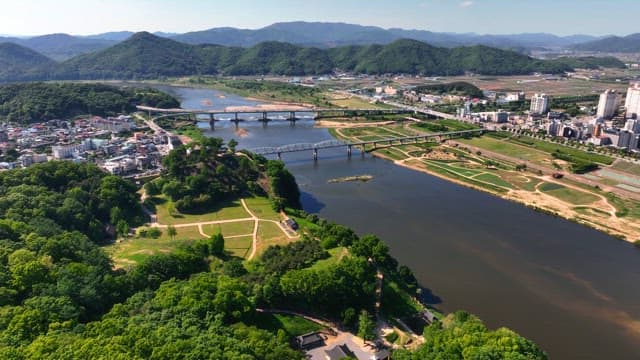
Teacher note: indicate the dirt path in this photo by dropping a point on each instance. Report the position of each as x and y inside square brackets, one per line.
[256, 223]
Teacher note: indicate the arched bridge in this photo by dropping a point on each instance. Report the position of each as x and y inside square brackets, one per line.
[362, 144]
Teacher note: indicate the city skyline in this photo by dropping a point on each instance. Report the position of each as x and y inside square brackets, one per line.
[560, 17]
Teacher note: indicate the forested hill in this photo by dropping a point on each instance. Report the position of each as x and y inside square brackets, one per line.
[20, 62]
[613, 44]
[146, 56]
[30, 102]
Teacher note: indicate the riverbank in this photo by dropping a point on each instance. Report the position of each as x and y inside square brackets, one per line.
[538, 201]
[533, 186]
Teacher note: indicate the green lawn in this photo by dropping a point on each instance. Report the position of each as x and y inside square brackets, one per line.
[225, 211]
[270, 234]
[130, 251]
[572, 196]
[521, 181]
[229, 229]
[392, 153]
[627, 167]
[493, 179]
[337, 254]
[261, 207]
[239, 246]
[292, 325]
[550, 147]
[506, 148]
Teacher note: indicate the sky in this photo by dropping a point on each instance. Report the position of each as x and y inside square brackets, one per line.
[83, 17]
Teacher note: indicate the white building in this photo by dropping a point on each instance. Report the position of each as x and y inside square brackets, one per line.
[632, 102]
[539, 104]
[632, 125]
[515, 96]
[608, 104]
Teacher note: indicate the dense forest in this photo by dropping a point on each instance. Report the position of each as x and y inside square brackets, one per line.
[60, 296]
[146, 56]
[32, 102]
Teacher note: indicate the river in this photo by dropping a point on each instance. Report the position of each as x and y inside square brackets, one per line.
[571, 289]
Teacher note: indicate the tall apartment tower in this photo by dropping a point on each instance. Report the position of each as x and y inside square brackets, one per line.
[632, 102]
[608, 104]
[539, 104]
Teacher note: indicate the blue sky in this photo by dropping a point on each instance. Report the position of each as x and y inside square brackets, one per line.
[563, 17]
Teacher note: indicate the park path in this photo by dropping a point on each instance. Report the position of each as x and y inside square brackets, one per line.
[256, 223]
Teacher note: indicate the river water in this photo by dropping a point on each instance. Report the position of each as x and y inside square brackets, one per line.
[572, 290]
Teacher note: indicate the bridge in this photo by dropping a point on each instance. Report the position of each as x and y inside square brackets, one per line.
[264, 112]
[328, 144]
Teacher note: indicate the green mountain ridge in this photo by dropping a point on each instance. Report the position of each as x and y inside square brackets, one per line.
[146, 56]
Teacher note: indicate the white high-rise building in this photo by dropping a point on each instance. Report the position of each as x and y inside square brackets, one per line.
[608, 104]
[632, 125]
[632, 102]
[539, 104]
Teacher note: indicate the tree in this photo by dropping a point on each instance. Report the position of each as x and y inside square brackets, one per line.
[122, 228]
[366, 326]
[216, 244]
[171, 231]
[232, 145]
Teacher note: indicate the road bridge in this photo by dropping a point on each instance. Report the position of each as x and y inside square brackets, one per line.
[267, 113]
[328, 144]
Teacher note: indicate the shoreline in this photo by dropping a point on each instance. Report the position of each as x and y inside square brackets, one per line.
[510, 197]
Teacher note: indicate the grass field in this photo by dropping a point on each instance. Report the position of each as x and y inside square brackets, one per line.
[353, 102]
[132, 250]
[239, 246]
[549, 147]
[292, 325]
[270, 234]
[493, 179]
[572, 196]
[225, 211]
[506, 148]
[337, 254]
[391, 153]
[261, 207]
[627, 167]
[229, 229]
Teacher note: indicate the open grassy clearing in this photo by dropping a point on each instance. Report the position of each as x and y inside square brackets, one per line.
[588, 211]
[392, 153]
[506, 148]
[130, 251]
[627, 167]
[572, 196]
[270, 234]
[225, 211]
[521, 181]
[262, 208]
[239, 246]
[290, 324]
[229, 229]
[337, 254]
[493, 179]
[453, 174]
[624, 207]
[550, 147]
[620, 178]
[353, 102]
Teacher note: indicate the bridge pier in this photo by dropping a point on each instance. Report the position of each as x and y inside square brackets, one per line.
[279, 156]
[292, 116]
[315, 154]
[264, 116]
[235, 117]
[212, 121]
[349, 151]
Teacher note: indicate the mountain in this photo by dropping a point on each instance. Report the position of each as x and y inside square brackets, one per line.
[20, 63]
[142, 55]
[118, 36]
[146, 56]
[322, 34]
[626, 44]
[62, 46]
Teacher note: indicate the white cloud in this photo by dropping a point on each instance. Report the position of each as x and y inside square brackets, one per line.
[466, 4]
